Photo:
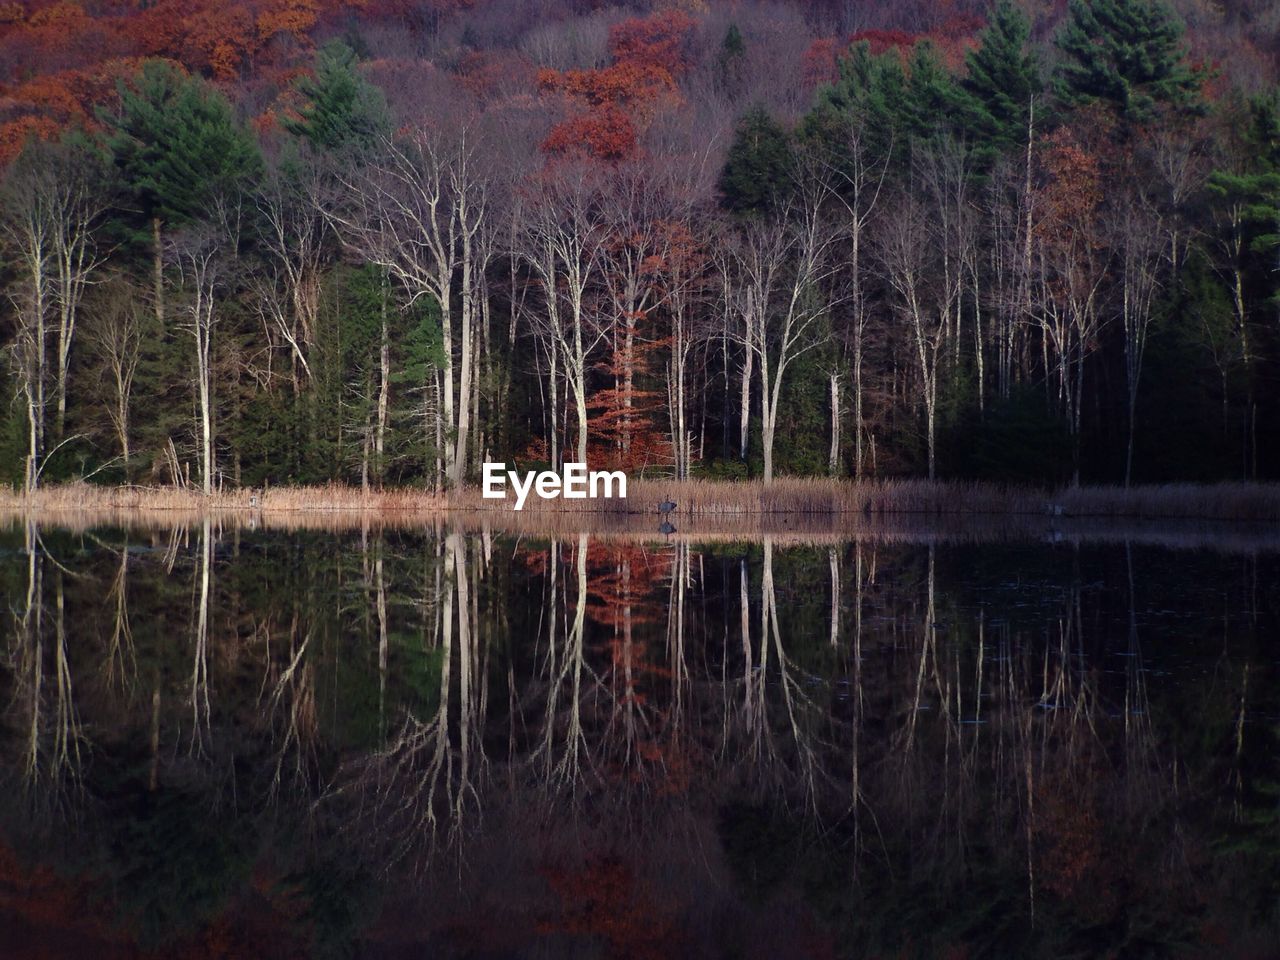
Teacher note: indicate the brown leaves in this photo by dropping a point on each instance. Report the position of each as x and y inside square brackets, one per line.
[658, 41]
[612, 103]
[605, 133]
[1072, 188]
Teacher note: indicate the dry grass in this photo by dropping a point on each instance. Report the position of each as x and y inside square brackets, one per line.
[794, 512]
[1257, 502]
[816, 500]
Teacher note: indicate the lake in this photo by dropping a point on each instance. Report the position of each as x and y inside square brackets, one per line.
[226, 738]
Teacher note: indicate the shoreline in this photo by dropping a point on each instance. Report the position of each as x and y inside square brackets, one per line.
[815, 498]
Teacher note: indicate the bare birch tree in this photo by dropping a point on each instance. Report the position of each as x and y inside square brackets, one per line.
[204, 256]
[53, 201]
[781, 272]
[417, 210]
[1136, 230]
[563, 244]
[114, 333]
[909, 252]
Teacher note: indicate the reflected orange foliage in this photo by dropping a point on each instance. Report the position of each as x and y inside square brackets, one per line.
[601, 898]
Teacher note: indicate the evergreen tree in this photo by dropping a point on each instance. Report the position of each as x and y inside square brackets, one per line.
[1253, 184]
[928, 107]
[865, 98]
[1002, 77]
[890, 108]
[178, 144]
[343, 110]
[1127, 53]
[733, 45]
[758, 171]
[731, 61]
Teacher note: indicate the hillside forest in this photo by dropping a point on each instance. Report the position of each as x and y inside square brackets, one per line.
[381, 242]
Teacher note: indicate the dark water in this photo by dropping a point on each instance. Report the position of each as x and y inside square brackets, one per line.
[439, 743]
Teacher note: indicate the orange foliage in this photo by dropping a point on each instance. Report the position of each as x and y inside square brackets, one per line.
[656, 41]
[485, 73]
[65, 15]
[622, 431]
[624, 581]
[605, 133]
[602, 899]
[621, 85]
[1073, 185]
[614, 101]
[881, 41]
[292, 17]
[49, 104]
[1070, 848]
[15, 133]
[818, 66]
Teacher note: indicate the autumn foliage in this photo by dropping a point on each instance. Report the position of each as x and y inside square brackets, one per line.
[608, 105]
[64, 61]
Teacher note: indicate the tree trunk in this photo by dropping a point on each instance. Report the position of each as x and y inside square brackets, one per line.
[384, 393]
[857, 404]
[204, 376]
[157, 271]
[833, 459]
[446, 322]
[745, 401]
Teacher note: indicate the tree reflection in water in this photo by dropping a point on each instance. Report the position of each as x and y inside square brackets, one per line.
[306, 743]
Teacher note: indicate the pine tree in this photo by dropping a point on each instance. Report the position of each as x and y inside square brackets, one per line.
[1252, 186]
[343, 110]
[1002, 78]
[733, 47]
[1128, 53]
[178, 146]
[865, 98]
[731, 61]
[928, 106]
[758, 171]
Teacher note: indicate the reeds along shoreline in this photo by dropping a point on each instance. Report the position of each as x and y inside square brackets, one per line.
[1254, 502]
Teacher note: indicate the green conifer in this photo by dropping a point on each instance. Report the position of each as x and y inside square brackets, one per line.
[1127, 53]
[1001, 80]
[343, 110]
[758, 171]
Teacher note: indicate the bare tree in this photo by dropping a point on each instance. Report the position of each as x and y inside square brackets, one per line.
[780, 271]
[1136, 230]
[909, 250]
[205, 258]
[292, 232]
[418, 210]
[53, 200]
[114, 333]
[1072, 267]
[563, 243]
[858, 182]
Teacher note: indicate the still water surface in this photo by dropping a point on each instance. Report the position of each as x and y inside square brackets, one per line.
[221, 741]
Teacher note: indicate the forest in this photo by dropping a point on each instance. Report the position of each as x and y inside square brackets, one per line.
[382, 242]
